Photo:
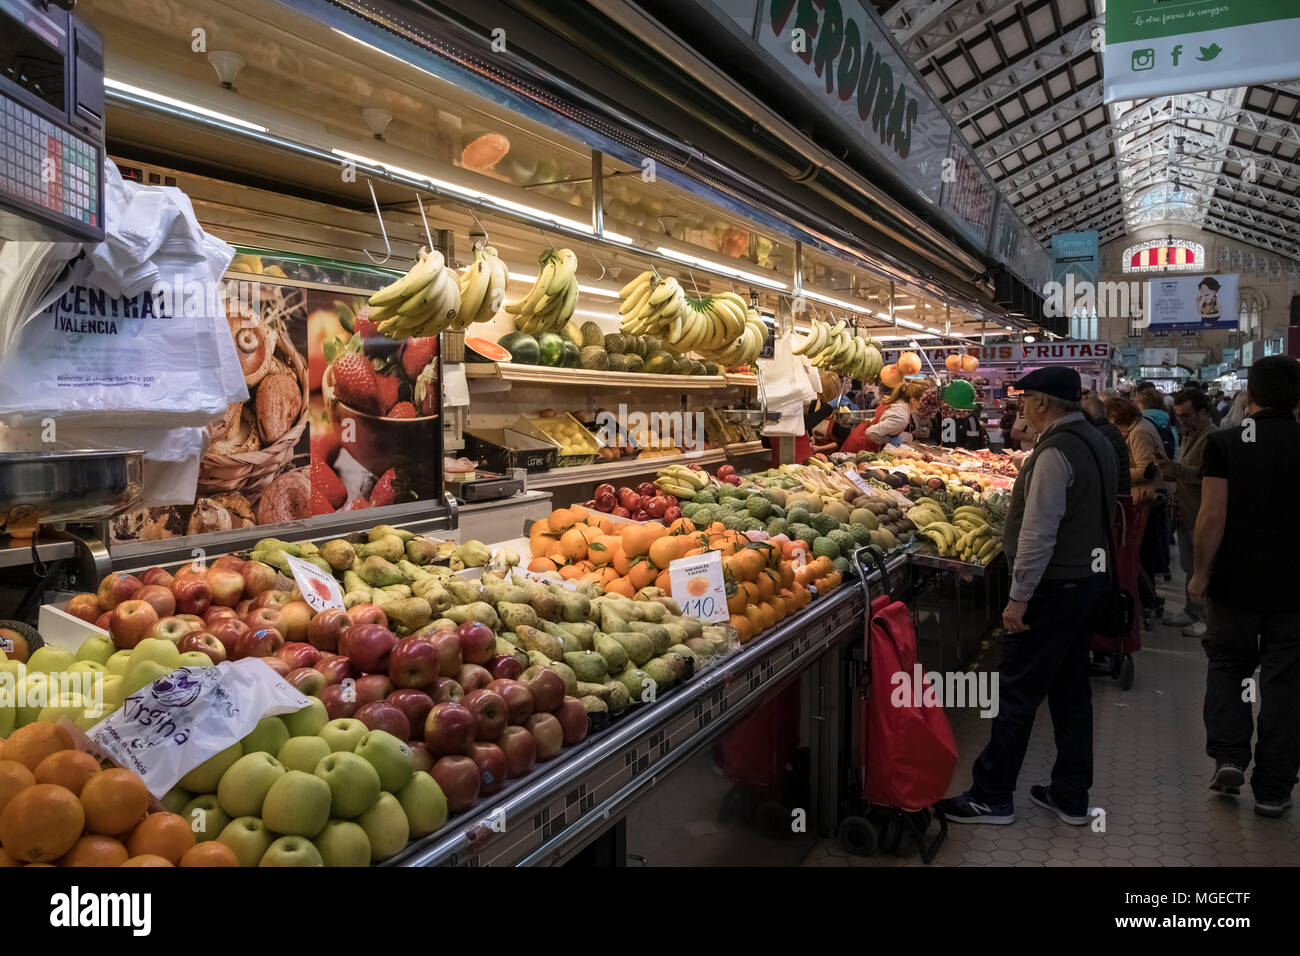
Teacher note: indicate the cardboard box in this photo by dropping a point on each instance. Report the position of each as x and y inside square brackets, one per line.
[518, 445]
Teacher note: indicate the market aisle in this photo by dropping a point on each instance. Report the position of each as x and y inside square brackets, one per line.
[1151, 774]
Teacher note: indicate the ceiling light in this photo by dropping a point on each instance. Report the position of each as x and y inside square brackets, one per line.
[1029, 338]
[909, 325]
[934, 330]
[900, 308]
[719, 267]
[181, 104]
[838, 303]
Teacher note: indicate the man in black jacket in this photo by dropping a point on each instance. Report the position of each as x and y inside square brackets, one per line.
[1095, 411]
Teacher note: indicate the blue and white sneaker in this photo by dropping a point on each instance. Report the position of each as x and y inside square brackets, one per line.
[963, 809]
[1043, 797]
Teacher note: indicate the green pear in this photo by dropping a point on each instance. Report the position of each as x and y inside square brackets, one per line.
[353, 782]
[308, 721]
[343, 734]
[205, 777]
[291, 851]
[118, 663]
[385, 824]
[343, 843]
[49, 660]
[298, 804]
[97, 649]
[248, 838]
[268, 736]
[205, 817]
[303, 753]
[154, 649]
[391, 757]
[424, 804]
[143, 674]
[195, 659]
[245, 785]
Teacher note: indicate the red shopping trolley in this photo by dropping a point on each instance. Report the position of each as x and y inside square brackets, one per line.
[1113, 656]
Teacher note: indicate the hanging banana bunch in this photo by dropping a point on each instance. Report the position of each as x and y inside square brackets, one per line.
[421, 303]
[840, 349]
[650, 305]
[482, 289]
[549, 304]
[746, 349]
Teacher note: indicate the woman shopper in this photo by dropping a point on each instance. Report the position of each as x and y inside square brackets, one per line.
[817, 420]
[892, 420]
[1146, 452]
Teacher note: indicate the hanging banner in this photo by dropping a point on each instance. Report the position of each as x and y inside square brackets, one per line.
[1076, 254]
[1192, 302]
[1154, 48]
[1046, 353]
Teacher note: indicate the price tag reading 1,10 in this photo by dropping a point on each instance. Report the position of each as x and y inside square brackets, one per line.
[857, 480]
[319, 589]
[698, 586]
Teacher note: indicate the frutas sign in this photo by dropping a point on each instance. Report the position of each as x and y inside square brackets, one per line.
[1047, 353]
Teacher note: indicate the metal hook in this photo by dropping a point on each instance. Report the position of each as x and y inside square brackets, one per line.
[694, 286]
[388, 248]
[427, 234]
[484, 241]
[592, 250]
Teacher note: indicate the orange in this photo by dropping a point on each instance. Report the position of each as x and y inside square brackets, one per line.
[604, 523]
[540, 526]
[620, 586]
[603, 548]
[751, 592]
[664, 582]
[555, 551]
[115, 801]
[682, 526]
[641, 574]
[41, 823]
[209, 853]
[579, 513]
[67, 768]
[561, 519]
[786, 572]
[779, 607]
[14, 777]
[541, 564]
[749, 562]
[666, 550]
[148, 860]
[766, 614]
[766, 586]
[755, 618]
[742, 626]
[736, 603]
[622, 560]
[93, 850]
[638, 538]
[573, 543]
[572, 571]
[588, 532]
[31, 744]
[167, 835]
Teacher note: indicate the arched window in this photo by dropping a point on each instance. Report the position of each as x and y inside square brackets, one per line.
[1249, 311]
[1165, 255]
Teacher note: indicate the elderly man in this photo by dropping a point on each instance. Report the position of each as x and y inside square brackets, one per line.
[1192, 410]
[1057, 540]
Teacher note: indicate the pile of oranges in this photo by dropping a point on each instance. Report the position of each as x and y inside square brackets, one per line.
[766, 581]
[59, 807]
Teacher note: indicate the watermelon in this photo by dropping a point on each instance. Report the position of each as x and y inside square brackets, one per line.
[570, 355]
[520, 347]
[551, 348]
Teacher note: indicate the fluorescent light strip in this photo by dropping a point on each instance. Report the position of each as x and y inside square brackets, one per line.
[838, 303]
[900, 308]
[909, 325]
[181, 104]
[719, 267]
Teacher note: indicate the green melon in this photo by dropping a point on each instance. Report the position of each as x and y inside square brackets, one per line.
[711, 368]
[523, 348]
[652, 345]
[617, 362]
[682, 366]
[697, 368]
[551, 349]
[591, 334]
[634, 362]
[615, 343]
[594, 357]
[660, 363]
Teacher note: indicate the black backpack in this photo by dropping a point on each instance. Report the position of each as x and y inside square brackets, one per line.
[1167, 436]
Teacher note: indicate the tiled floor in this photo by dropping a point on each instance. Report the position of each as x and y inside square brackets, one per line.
[1150, 778]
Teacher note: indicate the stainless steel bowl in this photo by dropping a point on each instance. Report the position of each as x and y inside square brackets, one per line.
[78, 485]
[750, 416]
[852, 415]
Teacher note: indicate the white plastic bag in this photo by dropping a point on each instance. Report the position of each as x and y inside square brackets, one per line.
[169, 727]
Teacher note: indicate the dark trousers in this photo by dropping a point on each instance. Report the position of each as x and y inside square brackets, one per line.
[1048, 660]
[1238, 641]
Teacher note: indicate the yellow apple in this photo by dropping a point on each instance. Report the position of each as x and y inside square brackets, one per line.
[118, 663]
[154, 650]
[98, 649]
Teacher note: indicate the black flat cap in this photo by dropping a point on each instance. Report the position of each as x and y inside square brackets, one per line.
[1059, 381]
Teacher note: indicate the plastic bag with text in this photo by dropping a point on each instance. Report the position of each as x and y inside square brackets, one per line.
[169, 727]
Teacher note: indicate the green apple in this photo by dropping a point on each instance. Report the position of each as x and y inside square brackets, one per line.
[244, 786]
[424, 804]
[97, 649]
[248, 838]
[386, 827]
[49, 660]
[268, 736]
[343, 843]
[8, 718]
[118, 663]
[72, 706]
[391, 757]
[143, 674]
[354, 784]
[303, 753]
[205, 817]
[176, 798]
[195, 659]
[32, 693]
[308, 721]
[343, 734]
[114, 692]
[292, 851]
[157, 650]
[298, 804]
[88, 667]
[16, 668]
[205, 777]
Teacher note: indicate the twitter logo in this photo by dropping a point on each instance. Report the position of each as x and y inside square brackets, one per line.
[1209, 52]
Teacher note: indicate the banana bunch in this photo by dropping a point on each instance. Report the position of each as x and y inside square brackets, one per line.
[680, 481]
[979, 541]
[744, 350]
[926, 512]
[482, 289]
[421, 303]
[651, 305]
[549, 304]
[837, 349]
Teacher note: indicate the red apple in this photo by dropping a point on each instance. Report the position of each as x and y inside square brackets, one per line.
[277, 665]
[216, 613]
[193, 569]
[413, 662]
[446, 689]
[489, 712]
[336, 668]
[518, 698]
[325, 629]
[272, 598]
[449, 729]
[368, 614]
[227, 586]
[295, 618]
[116, 588]
[415, 704]
[459, 778]
[296, 655]
[547, 733]
[423, 758]
[505, 666]
[131, 622]
[171, 629]
[574, 719]
[520, 749]
[307, 680]
[381, 715]
[193, 596]
[449, 658]
[157, 576]
[258, 578]
[340, 700]
[229, 562]
[229, 631]
[493, 768]
[672, 514]
[477, 642]
[204, 643]
[621, 512]
[546, 686]
[86, 607]
[243, 607]
[263, 617]
[472, 677]
[262, 642]
[605, 489]
[373, 687]
[368, 645]
[646, 490]
[101, 622]
[195, 622]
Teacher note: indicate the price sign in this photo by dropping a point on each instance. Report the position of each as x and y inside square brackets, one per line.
[320, 589]
[698, 587]
[858, 480]
[542, 579]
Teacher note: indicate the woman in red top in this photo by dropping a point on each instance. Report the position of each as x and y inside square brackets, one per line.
[893, 418]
